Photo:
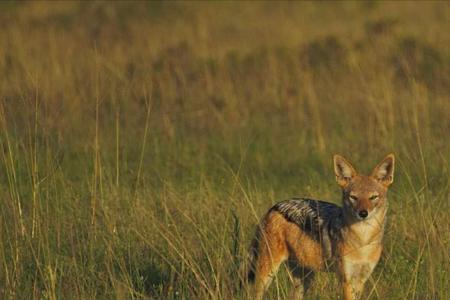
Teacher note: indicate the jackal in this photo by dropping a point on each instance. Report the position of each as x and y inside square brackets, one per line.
[312, 235]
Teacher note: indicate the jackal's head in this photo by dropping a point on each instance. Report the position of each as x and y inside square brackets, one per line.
[364, 195]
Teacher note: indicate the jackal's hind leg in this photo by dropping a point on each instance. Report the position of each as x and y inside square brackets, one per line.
[302, 279]
[266, 271]
[270, 257]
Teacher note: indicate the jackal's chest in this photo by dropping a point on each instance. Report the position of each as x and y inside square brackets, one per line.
[357, 271]
[357, 262]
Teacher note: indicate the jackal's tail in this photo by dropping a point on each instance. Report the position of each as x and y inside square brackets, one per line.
[252, 257]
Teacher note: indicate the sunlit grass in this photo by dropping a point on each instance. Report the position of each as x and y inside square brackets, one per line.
[142, 142]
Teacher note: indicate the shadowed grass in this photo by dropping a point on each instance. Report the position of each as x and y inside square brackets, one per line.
[142, 142]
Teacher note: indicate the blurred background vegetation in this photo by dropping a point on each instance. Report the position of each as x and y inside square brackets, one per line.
[142, 141]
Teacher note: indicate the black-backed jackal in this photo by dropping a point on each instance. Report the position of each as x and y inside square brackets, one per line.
[312, 235]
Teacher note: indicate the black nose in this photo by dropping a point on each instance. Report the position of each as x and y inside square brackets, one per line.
[363, 213]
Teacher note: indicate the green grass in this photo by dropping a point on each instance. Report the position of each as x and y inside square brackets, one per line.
[142, 142]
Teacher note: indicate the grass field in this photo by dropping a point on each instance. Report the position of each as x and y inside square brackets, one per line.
[141, 142]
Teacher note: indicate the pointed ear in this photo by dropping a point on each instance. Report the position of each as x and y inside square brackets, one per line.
[343, 169]
[384, 172]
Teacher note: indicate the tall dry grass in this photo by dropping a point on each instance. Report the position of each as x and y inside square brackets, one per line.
[143, 141]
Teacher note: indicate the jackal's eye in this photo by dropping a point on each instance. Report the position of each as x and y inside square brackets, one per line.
[374, 197]
[353, 198]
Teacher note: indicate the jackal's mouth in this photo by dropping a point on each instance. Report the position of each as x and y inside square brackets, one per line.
[359, 218]
[363, 215]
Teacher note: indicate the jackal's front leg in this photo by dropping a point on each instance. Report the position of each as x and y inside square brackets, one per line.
[354, 277]
[352, 290]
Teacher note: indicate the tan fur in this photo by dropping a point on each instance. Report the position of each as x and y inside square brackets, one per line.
[354, 254]
[304, 249]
